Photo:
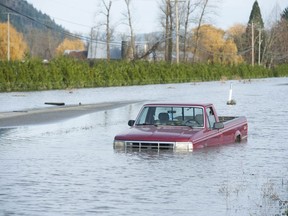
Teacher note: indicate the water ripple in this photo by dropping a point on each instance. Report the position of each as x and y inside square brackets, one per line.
[70, 167]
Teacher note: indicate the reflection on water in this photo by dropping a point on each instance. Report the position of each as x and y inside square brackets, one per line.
[70, 167]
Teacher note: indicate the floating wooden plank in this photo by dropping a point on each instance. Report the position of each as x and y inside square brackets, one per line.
[55, 103]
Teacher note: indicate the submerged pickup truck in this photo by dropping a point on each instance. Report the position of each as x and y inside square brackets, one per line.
[181, 127]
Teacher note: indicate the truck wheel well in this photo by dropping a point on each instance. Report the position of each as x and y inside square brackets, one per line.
[238, 138]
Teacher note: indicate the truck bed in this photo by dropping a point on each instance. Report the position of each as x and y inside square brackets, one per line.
[226, 118]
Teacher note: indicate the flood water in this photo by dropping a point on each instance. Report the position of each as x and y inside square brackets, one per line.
[71, 168]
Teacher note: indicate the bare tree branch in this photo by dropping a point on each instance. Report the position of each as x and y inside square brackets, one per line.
[132, 37]
[205, 3]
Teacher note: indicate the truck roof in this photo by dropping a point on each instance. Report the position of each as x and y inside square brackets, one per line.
[178, 104]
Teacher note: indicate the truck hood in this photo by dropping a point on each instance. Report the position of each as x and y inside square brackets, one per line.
[159, 133]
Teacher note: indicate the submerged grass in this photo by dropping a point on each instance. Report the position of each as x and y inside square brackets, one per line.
[269, 201]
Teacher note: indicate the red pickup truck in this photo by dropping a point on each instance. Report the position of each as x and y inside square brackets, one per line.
[181, 127]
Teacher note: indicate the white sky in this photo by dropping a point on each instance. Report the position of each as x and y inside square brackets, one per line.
[80, 15]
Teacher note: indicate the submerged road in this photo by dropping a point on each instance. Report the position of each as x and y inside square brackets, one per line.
[54, 114]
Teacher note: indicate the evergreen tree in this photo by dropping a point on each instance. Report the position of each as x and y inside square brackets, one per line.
[255, 16]
[284, 15]
[254, 32]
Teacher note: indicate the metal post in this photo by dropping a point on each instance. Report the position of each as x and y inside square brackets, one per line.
[8, 37]
[177, 31]
[259, 48]
[91, 38]
[252, 56]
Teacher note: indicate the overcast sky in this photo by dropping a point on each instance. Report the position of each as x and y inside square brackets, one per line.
[80, 15]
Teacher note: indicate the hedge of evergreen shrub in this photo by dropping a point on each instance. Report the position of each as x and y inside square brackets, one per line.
[63, 73]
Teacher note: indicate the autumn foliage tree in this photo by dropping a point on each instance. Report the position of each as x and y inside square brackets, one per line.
[214, 47]
[236, 33]
[18, 46]
[70, 44]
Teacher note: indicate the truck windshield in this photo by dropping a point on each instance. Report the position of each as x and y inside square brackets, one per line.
[174, 116]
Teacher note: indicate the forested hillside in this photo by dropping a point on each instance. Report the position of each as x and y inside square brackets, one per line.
[40, 32]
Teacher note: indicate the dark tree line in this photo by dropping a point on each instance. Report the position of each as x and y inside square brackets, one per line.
[40, 32]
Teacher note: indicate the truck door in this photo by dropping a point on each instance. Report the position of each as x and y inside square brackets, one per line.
[214, 137]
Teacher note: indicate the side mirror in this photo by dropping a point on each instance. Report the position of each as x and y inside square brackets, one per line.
[131, 122]
[218, 125]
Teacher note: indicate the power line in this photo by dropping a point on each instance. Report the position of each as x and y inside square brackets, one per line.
[67, 33]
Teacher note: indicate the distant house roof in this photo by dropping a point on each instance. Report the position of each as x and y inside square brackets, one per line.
[79, 54]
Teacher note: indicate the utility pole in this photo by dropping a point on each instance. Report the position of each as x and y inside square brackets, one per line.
[177, 31]
[252, 54]
[8, 37]
[90, 46]
[259, 48]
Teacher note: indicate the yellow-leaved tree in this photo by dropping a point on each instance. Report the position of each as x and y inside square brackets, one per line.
[69, 44]
[236, 33]
[214, 47]
[11, 40]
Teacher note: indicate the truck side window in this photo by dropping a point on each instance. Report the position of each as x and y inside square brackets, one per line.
[143, 116]
[211, 117]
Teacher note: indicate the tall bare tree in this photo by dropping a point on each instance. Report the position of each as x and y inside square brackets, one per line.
[277, 45]
[104, 12]
[169, 31]
[187, 9]
[166, 19]
[132, 37]
[42, 44]
[189, 13]
[108, 30]
[197, 35]
[275, 40]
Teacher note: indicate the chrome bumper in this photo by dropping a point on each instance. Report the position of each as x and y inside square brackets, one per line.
[178, 146]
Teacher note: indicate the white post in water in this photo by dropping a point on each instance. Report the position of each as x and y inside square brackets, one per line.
[230, 93]
[230, 100]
